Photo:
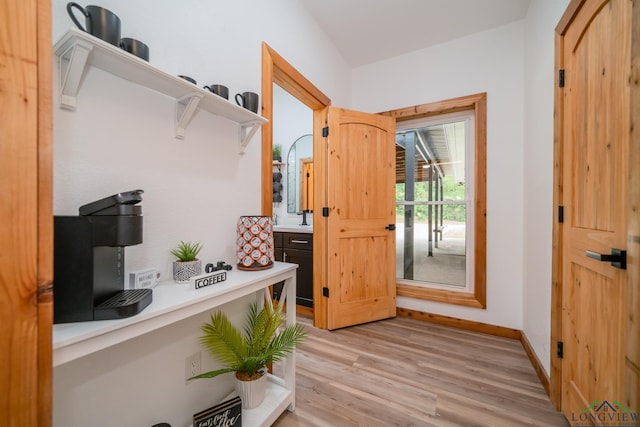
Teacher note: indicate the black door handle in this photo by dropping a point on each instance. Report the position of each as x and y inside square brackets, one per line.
[391, 227]
[617, 258]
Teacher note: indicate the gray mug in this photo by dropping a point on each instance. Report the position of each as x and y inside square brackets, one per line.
[135, 47]
[249, 100]
[219, 90]
[99, 22]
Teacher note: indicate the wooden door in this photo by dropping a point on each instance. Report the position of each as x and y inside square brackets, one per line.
[26, 231]
[595, 54]
[360, 183]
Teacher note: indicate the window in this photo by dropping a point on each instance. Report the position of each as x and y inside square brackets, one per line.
[440, 201]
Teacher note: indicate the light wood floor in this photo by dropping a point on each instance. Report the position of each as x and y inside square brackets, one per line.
[406, 372]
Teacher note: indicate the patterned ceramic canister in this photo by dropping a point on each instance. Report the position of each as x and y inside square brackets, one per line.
[255, 242]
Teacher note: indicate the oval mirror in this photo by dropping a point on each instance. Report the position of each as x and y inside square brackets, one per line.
[300, 175]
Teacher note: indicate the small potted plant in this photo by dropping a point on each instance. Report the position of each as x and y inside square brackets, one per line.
[187, 263]
[248, 353]
[277, 153]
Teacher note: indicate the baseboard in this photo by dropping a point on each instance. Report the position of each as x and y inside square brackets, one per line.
[469, 325]
[537, 365]
[304, 311]
[484, 328]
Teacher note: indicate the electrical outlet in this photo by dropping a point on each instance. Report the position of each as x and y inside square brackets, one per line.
[192, 366]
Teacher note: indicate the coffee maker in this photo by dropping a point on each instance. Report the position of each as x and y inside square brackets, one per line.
[89, 260]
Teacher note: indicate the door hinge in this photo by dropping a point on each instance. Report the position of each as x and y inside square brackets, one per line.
[560, 349]
[560, 214]
[325, 211]
[325, 131]
[561, 78]
[325, 292]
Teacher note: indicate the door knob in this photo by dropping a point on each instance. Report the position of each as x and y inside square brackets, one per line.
[391, 227]
[617, 258]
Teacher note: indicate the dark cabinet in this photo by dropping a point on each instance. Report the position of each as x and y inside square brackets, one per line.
[296, 248]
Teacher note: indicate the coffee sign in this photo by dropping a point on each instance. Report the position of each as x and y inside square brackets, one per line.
[209, 279]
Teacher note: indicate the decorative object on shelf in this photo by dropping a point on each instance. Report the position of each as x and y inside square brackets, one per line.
[247, 353]
[249, 100]
[219, 90]
[189, 79]
[277, 153]
[220, 265]
[255, 242]
[100, 22]
[224, 414]
[135, 47]
[187, 264]
[208, 279]
[277, 176]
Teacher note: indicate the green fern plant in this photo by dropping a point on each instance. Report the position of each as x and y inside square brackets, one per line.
[187, 251]
[277, 150]
[249, 351]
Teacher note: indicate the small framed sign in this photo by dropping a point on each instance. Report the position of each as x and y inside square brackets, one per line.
[225, 414]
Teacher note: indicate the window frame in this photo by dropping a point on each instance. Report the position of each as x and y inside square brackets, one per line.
[478, 104]
[466, 116]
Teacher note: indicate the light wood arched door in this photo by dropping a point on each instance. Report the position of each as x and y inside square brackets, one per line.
[596, 297]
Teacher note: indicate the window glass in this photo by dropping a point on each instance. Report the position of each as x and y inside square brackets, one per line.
[434, 201]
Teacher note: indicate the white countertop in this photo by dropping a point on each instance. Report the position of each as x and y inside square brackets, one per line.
[294, 228]
[171, 302]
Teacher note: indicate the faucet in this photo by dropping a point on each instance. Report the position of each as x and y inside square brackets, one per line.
[304, 217]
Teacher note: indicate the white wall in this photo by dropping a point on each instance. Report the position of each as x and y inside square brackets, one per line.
[121, 138]
[542, 17]
[492, 62]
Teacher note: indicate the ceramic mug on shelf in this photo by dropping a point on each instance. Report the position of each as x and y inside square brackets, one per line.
[135, 47]
[249, 100]
[219, 90]
[99, 22]
[189, 79]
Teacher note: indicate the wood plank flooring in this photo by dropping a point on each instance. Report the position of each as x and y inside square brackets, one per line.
[406, 372]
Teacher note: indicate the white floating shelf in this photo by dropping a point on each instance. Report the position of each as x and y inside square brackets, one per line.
[77, 50]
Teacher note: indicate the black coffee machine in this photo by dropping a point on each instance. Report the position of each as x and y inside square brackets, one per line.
[88, 280]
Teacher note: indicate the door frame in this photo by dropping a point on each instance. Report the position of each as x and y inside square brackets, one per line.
[632, 328]
[275, 69]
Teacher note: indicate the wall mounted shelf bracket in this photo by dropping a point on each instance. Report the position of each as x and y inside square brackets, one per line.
[186, 107]
[246, 134]
[72, 65]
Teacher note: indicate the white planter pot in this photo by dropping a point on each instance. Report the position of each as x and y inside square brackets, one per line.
[184, 271]
[251, 392]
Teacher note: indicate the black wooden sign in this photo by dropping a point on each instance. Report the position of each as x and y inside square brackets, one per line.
[225, 414]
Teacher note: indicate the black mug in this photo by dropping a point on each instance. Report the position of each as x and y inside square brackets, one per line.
[249, 100]
[219, 90]
[99, 22]
[135, 47]
[189, 79]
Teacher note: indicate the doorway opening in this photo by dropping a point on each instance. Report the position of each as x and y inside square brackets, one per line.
[277, 71]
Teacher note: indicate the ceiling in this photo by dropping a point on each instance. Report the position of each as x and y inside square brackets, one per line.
[366, 31]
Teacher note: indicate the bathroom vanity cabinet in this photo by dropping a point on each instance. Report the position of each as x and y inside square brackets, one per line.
[296, 248]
